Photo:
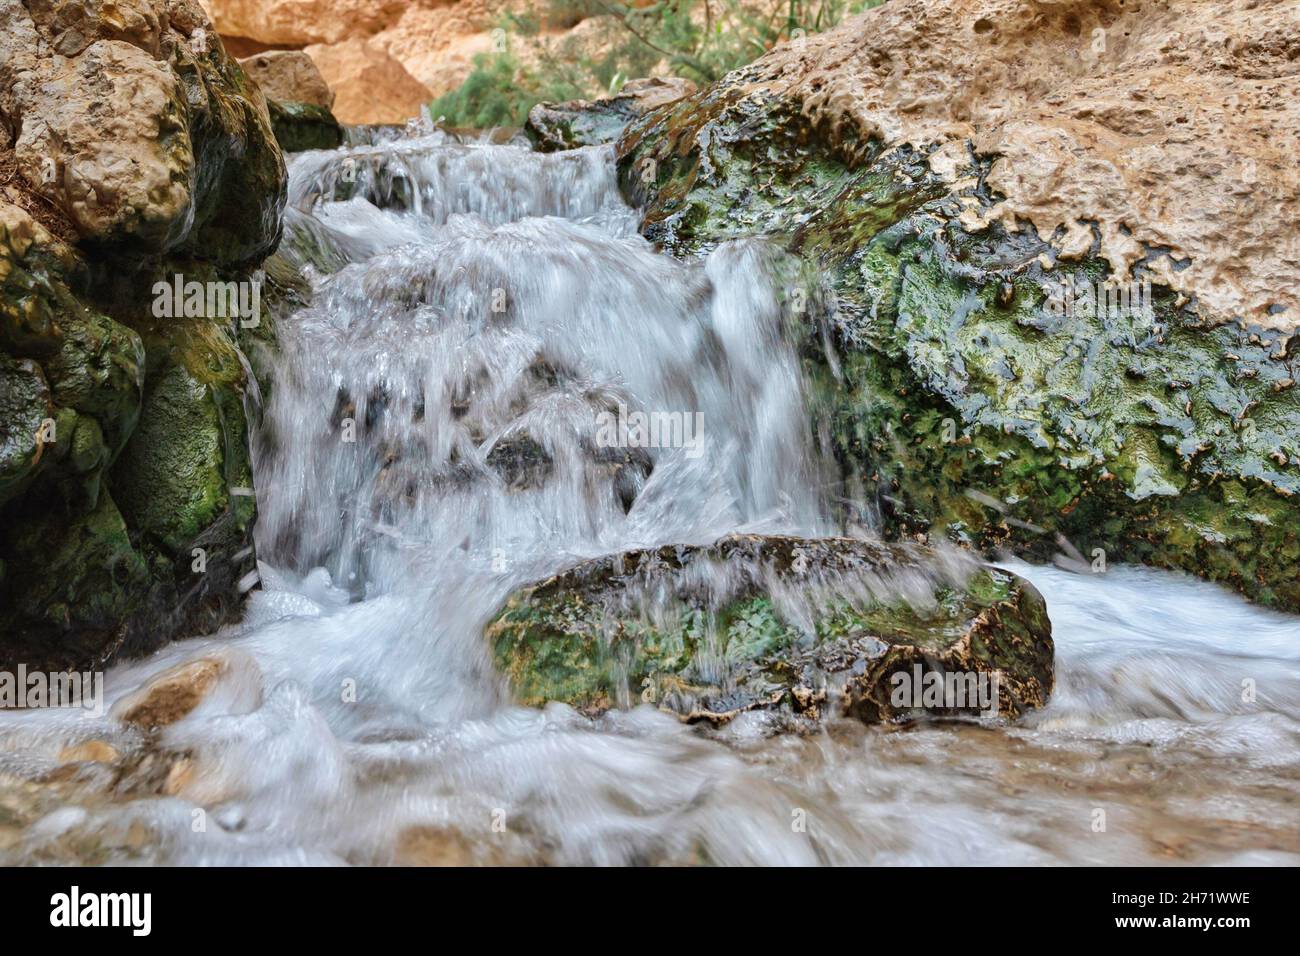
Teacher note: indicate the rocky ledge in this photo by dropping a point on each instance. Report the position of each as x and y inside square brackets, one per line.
[803, 629]
[1049, 307]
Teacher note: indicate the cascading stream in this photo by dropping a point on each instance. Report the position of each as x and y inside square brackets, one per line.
[449, 419]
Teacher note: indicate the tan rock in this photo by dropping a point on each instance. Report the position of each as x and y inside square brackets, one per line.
[170, 695]
[104, 129]
[438, 45]
[1170, 123]
[369, 85]
[289, 76]
[290, 22]
[90, 751]
[126, 170]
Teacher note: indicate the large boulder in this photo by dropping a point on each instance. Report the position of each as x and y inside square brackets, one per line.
[132, 123]
[288, 76]
[1048, 306]
[803, 629]
[133, 154]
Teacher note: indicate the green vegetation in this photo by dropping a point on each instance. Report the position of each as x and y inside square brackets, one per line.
[699, 40]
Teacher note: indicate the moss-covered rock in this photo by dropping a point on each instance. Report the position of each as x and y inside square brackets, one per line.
[805, 628]
[145, 153]
[963, 392]
[24, 406]
[71, 587]
[300, 126]
[556, 126]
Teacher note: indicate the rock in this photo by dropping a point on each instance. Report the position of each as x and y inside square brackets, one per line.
[24, 405]
[299, 22]
[90, 751]
[298, 99]
[171, 695]
[72, 584]
[300, 126]
[289, 76]
[135, 126]
[370, 86]
[805, 628]
[554, 126]
[131, 148]
[958, 383]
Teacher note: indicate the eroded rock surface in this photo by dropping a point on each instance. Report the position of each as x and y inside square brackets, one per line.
[1163, 131]
[133, 124]
[807, 629]
[1149, 413]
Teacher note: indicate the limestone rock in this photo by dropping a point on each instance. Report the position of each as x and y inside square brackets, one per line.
[299, 22]
[131, 122]
[289, 76]
[131, 147]
[1001, 381]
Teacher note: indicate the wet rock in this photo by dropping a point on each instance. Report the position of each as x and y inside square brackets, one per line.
[90, 751]
[171, 695]
[72, 583]
[962, 388]
[301, 126]
[24, 405]
[555, 126]
[809, 629]
[132, 149]
[298, 98]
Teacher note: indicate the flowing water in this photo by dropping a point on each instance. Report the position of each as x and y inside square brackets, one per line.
[431, 441]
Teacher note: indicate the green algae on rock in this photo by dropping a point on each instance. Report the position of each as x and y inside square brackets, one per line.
[808, 628]
[957, 395]
[556, 126]
[124, 478]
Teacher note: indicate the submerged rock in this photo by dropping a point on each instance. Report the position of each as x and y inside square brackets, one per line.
[807, 628]
[1116, 381]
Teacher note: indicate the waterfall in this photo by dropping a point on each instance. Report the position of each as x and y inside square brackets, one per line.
[454, 414]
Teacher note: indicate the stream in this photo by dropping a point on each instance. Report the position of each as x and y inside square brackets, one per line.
[430, 443]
